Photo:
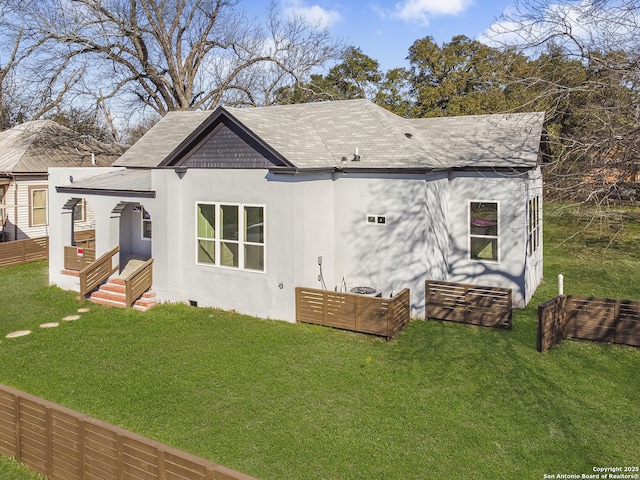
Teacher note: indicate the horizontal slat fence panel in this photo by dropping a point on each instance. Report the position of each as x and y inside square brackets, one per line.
[588, 318]
[385, 317]
[551, 323]
[24, 251]
[67, 445]
[400, 311]
[85, 238]
[472, 304]
[75, 262]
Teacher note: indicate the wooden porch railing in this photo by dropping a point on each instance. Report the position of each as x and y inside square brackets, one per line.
[85, 238]
[75, 262]
[93, 275]
[138, 282]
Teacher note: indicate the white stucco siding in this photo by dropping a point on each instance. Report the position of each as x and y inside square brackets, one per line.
[409, 247]
[60, 232]
[295, 235]
[314, 229]
[510, 193]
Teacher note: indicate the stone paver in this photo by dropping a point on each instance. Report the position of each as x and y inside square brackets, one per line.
[19, 333]
[49, 325]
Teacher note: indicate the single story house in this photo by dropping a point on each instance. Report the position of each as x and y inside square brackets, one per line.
[26, 153]
[239, 206]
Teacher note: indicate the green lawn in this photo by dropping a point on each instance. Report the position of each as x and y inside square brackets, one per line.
[295, 401]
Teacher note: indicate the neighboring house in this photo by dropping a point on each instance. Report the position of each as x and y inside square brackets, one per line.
[26, 153]
[239, 206]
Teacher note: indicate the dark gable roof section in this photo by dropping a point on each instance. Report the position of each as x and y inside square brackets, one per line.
[222, 141]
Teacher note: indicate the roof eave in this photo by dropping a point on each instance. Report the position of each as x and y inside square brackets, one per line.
[106, 192]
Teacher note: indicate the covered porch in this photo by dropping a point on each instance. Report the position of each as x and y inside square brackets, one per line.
[106, 248]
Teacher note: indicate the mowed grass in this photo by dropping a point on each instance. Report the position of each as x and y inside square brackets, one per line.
[295, 401]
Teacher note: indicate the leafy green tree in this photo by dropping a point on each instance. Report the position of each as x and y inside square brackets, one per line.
[463, 77]
[357, 76]
[394, 92]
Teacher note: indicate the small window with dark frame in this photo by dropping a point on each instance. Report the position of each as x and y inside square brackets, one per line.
[79, 211]
[146, 224]
[483, 231]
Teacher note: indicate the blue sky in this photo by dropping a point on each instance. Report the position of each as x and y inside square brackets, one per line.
[384, 30]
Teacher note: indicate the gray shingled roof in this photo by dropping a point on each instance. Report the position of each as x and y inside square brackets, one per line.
[34, 146]
[162, 139]
[327, 134]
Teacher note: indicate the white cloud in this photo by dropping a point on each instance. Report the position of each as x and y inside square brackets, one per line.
[423, 10]
[314, 14]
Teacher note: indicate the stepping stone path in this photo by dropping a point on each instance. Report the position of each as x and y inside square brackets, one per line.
[19, 333]
[68, 318]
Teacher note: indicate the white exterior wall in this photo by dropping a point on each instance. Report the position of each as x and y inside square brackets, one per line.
[309, 216]
[403, 252]
[297, 231]
[60, 233]
[534, 264]
[511, 194]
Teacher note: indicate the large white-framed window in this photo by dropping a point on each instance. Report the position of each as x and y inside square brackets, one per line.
[534, 225]
[230, 235]
[37, 206]
[484, 231]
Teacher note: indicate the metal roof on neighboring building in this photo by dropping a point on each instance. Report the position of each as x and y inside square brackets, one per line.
[34, 146]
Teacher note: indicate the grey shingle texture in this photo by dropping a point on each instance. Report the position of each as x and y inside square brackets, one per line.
[328, 135]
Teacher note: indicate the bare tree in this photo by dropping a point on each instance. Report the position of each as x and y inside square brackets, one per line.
[171, 55]
[586, 74]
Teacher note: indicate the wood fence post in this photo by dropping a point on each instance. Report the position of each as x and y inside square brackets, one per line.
[18, 429]
[325, 308]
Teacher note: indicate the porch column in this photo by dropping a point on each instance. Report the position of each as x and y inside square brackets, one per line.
[66, 226]
[114, 230]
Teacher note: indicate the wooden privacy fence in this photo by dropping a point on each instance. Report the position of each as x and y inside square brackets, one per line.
[349, 311]
[63, 444]
[588, 318]
[474, 304]
[23, 251]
